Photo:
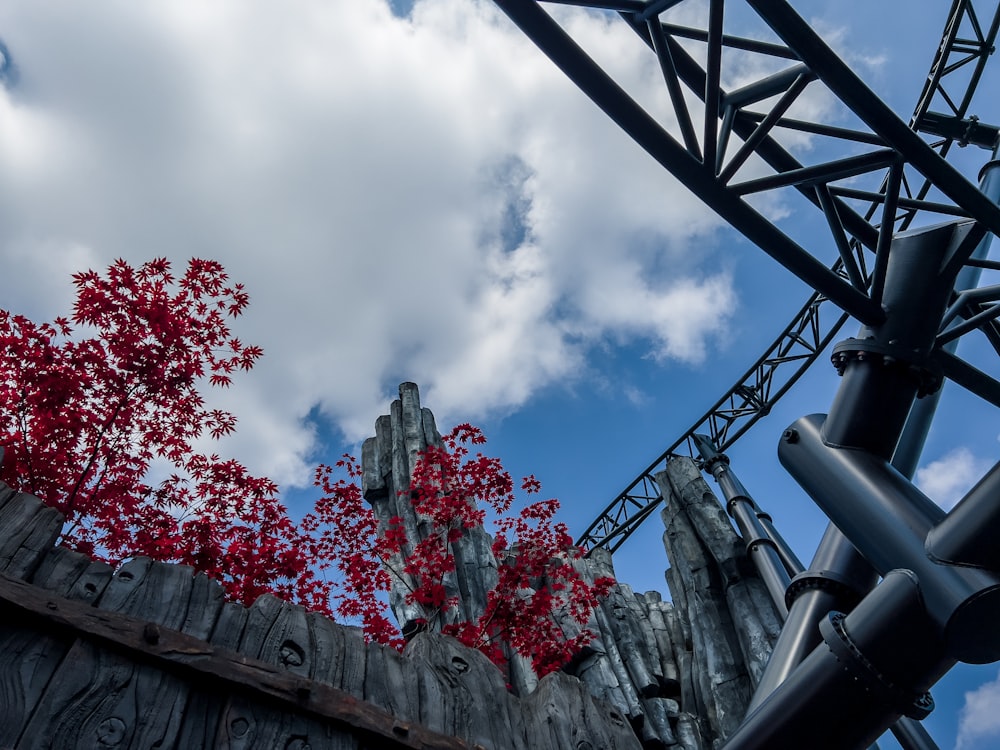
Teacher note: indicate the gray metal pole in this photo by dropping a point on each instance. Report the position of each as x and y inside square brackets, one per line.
[883, 373]
[760, 548]
[808, 597]
[911, 442]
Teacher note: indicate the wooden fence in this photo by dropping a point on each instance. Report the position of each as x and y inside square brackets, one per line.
[150, 656]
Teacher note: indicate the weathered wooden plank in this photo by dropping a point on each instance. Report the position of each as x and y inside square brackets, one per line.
[31, 659]
[328, 640]
[391, 682]
[228, 629]
[205, 604]
[6, 491]
[155, 591]
[354, 663]
[103, 697]
[455, 684]
[204, 714]
[194, 659]
[72, 574]
[29, 529]
[277, 633]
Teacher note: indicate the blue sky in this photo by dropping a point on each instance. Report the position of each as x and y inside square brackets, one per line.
[419, 195]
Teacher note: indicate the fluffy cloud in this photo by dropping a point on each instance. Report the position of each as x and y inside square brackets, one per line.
[420, 198]
[979, 718]
[947, 479]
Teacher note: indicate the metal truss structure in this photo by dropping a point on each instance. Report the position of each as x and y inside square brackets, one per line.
[941, 114]
[908, 233]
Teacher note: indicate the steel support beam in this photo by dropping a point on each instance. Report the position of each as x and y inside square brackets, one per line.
[874, 667]
[968, 536]
[847, 472]
[881, 379]
[761, 548]
[888, 520]
[837, 579]
[911, 443]
[658, 143]
[212, 668]
[834, 72]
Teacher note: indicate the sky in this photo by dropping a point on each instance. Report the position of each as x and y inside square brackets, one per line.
[412, 192]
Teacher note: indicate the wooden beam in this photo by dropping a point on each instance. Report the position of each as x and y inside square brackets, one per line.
[187, 656]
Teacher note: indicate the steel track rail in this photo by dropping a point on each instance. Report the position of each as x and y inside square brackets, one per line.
[810, 331]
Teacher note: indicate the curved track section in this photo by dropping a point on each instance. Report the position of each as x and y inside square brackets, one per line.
[905, 163]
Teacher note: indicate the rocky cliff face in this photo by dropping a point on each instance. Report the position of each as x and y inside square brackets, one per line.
[681, 671]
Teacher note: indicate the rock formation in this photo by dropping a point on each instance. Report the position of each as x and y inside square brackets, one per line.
[681, 671]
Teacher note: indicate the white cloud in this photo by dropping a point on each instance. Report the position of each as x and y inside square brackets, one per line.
[980, 716]
[421, 199]
[948, 478]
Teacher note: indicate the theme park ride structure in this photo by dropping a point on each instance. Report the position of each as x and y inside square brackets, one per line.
[911, 234]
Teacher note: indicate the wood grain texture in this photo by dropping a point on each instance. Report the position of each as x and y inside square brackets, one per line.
[30, 528]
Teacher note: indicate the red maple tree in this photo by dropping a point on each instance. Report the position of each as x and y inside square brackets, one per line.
[93, 406]
[538, 589]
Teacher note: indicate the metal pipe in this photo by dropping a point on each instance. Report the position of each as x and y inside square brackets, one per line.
[837, 579]
[759, 548]
[912, 736]
[772, 85]
[888, 520]
[874, 666]
[886, 366]
[789, 559]
[968, 535]
[882, 375]
[918, 424]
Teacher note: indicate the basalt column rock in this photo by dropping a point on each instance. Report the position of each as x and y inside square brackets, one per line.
[728, 623]
[387, 462]
[680, 672]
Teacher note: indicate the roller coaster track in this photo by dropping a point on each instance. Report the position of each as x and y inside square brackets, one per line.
[903, 162]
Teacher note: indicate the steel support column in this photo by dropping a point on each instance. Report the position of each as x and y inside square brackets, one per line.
[888, 520]
[659, 144]
[763, 550]
[884, 369]
[911, 443]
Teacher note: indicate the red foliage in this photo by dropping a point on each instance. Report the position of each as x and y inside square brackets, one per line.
[88, 406]
[92, 407]
[537, 585]
[341, 532]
